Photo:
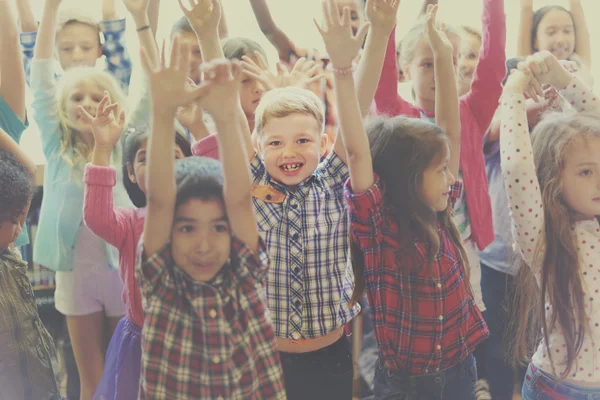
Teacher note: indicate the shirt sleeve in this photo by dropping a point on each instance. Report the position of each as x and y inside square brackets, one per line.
[580, 96]
[256, 263]
[366, 214]
[101, 216]
[10, 123]
[335, 171]
[486, 88]
[28, 45]
[520, 179]
[115, 50]
[152, 273]
[258, 170]
[206, 147]
[45, 104]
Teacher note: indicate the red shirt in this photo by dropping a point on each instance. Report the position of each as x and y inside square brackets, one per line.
[444, 326]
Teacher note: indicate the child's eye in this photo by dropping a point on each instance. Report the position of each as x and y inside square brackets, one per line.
[275, 143]
[245, 81]
[97, 99]
[76, 99]
[586, 172]
[67, 49]
[302, 141]
[428, 65]
[186, 229]
[221, 228]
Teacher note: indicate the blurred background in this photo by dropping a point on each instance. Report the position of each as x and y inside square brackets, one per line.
[295, 18]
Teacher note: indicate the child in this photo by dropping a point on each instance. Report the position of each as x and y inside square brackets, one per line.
[470, 45]
[81, 40]
[29, 365]
[206, 332]
[555, 29]
[477, 107]
[406, 250]
[13, 114]
[122, 228]
[87, 278]
[553, 184]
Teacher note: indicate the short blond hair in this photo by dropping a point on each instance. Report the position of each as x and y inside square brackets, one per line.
[279, 103]
[70, 15]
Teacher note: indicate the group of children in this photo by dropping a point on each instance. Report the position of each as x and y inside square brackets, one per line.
[216, 240]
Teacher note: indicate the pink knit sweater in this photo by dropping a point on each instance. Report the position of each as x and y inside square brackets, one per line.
[121, 227]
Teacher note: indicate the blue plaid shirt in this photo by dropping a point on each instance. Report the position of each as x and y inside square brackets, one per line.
[306, 231]
[118, 62]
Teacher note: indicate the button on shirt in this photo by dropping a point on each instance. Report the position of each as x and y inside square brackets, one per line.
[208, 340]
[424, 318]
[306, 231]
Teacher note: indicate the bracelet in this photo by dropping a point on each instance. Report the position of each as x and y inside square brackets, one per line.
[341, 71]
[143, 28]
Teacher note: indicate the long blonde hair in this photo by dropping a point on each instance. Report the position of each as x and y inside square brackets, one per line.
[556, 255]
[74, 150]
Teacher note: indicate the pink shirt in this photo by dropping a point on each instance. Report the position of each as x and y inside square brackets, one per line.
[477, 109]
[121, 227]
[527, 215]
[207, 147]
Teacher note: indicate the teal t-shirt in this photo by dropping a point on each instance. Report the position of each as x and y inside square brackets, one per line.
[11, 124]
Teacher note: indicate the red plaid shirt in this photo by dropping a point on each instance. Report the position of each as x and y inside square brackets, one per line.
[208, 340]
[424, 321]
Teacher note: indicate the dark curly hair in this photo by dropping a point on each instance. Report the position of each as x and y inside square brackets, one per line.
[16, 186]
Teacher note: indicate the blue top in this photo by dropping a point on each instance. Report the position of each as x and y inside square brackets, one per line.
[62, 205]
[497, 255]
[11, 124]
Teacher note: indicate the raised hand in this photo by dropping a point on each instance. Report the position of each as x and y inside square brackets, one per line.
[521, 81]
[137, 8]
[342, 46]
[437, 39]
[106, 128]
[382, 14]
[303, 73]
[204, 16]
[548, 70]
[169, 84]
[222, 99]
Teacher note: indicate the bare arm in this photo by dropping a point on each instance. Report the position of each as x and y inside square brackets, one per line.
[46, 38]
[153, 14]
[109, 10]
[583, 46]
[12, 75]
[223, 28]
[205, 22]
[26, 18]
[524, 45]
[139, 10]
[8, 144]
[267, 25]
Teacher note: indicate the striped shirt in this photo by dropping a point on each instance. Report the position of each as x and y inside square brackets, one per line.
[306, 231]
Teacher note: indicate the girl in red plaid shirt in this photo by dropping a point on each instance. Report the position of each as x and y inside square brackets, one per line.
[406, 250]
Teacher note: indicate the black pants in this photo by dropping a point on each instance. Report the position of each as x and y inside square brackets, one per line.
[325, 374]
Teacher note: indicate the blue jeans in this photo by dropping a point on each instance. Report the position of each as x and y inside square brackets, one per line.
[455, 383]
[540, 386]
[497, 289]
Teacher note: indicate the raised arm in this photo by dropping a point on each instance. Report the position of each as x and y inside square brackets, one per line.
[204, 18]
[267, 25]
[8, 144]
[426, 5]
[447, 114]
[12, 76]
[109, 10]
[486, 88]
[381, 15]
[583, 46]
[524, 45]
[342, 48]
[139, 10]
[26, 19]
[44, 47]
[169, 91]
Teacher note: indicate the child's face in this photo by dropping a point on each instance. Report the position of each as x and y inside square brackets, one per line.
[201, 238]
[137, 171]
[191, 40]
[556, 34]
[251, 91]
[421, 69]
[291, 147]
[437, 179]
[85, 94]
[11, 228]
[580, 177]
[467, 61]
[78, 45]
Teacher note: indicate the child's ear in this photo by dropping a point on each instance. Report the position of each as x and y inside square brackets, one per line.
[131, 173]
[324, 141]
[100, 48]
[406, 71]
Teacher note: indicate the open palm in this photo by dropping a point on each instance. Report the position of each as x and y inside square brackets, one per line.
[136, 7]
[106, 128]
[203, 15]
[382, 14]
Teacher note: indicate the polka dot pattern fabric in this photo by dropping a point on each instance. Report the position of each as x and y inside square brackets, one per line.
[528, 219]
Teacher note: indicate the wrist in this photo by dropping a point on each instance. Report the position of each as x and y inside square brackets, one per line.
[211, 34]
[101, 155]
[140, 20]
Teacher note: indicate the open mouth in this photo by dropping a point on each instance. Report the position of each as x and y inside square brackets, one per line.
[291, 169]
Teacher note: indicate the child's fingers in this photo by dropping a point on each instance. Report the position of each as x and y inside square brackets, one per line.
[251, 68]
[184, 58]
[163, 56]
[108, 110]
[261, 60]
[249, 61]
[198, 92]
[102, 105]
[345, 21]
[313, 70]
[183, 7]
[253, 75]
[85, 116]
[236, 70]
[299, 64]
[329, 23]
[314, 79]
[321, 31]
[362, 33]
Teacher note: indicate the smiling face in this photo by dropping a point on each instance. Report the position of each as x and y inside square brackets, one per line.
[201, 238]
[291, 147]
[421, 71]
[580, 177]
[467, 62]
[78, 44]
[556, 33]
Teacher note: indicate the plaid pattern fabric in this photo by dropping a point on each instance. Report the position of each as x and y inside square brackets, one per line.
[425, 319]
[208, 340]
[118, 62]
[309, 284]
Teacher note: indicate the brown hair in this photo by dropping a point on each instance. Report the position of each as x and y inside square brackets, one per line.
[402, 149]
[556, 256]
[236, 48]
